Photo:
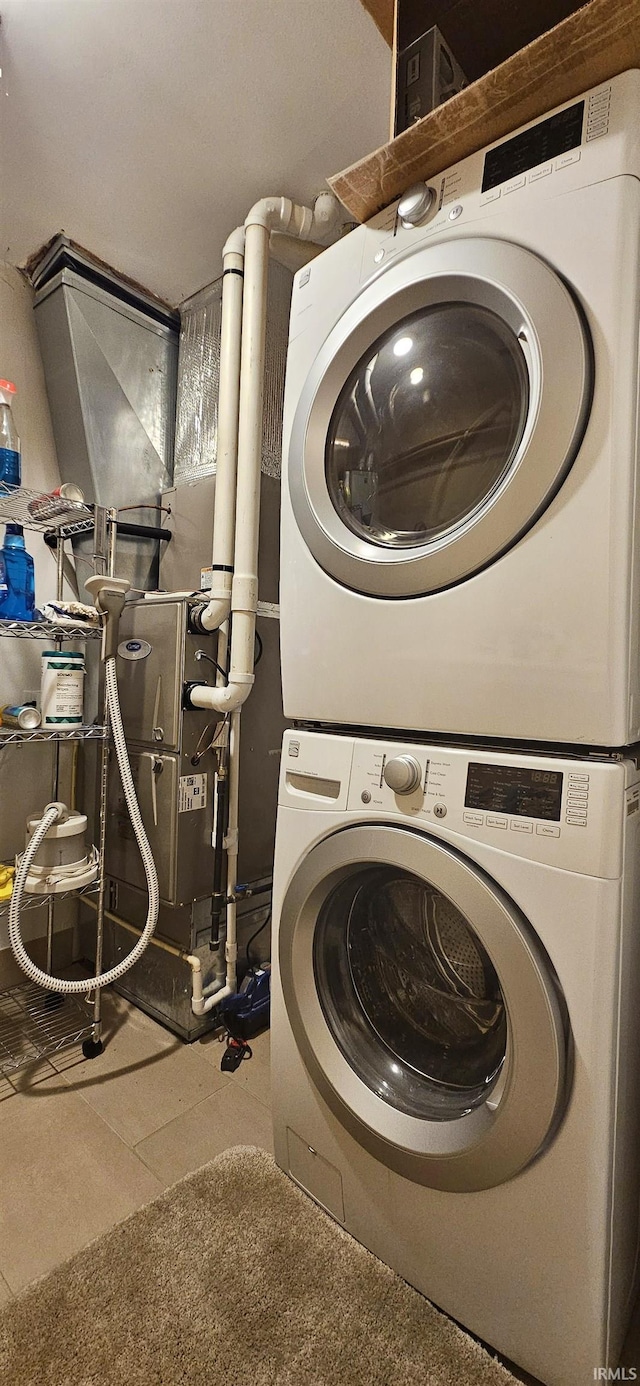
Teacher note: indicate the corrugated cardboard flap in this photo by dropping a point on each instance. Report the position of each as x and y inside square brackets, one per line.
[592, 45]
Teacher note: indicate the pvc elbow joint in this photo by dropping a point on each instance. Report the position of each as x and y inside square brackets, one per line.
[273, 213]
[234, 244]
[210, 616]
[227, 699]
[327, 213]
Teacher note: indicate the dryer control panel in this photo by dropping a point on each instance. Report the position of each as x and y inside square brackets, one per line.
[564, 812]
[579, 144]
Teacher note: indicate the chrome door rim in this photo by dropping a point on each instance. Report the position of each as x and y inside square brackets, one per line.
[495, 1141]
[534, 302]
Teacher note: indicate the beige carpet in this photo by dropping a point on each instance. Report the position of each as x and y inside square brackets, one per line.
[232, 1278]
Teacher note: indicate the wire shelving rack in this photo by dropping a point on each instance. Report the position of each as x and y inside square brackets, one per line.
[35, 1023]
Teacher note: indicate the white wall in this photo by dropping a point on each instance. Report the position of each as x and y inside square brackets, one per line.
[25, 771]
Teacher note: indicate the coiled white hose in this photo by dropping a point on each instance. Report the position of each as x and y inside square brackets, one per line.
[54, 875]
[20, 954]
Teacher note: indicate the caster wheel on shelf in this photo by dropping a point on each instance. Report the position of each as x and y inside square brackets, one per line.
[92, 1048]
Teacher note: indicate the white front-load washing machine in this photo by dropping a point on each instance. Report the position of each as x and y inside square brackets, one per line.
[455, 1028]
[459, 507]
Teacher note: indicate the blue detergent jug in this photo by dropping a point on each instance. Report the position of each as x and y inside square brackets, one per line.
[17, 581]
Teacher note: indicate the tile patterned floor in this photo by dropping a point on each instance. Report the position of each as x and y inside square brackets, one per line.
[83, 1143]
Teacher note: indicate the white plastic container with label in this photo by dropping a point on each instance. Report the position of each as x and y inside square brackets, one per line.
[62, 689]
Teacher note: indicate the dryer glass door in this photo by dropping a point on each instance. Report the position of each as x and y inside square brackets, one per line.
[427, 425]
[439, 418]
[424, 1007]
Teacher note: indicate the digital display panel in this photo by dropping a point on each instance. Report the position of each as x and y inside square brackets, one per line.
[514, 789]
[551, 137]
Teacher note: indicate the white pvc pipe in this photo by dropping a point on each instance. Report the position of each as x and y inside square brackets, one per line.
[219, 605]
[197, 999]
[272, 213]
[198, 992]
[280, 214]
[201, 1006]
[244, 597]
[201, 1000]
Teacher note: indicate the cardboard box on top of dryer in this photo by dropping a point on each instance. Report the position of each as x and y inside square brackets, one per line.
[594, 44]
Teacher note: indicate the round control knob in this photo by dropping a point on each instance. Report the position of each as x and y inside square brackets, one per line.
[415, 205]
[402, 774]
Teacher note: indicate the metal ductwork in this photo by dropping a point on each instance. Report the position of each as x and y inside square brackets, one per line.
[110, 357]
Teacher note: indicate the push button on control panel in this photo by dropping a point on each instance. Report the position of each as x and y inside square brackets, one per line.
[542, 171]
[576, 807]
[598, 114]
[571, 157]
[514, 184]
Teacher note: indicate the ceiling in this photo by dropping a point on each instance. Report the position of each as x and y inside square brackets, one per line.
[146, 129]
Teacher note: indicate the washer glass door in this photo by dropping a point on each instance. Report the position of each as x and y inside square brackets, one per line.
[424, 1007]
[410, 994]
[439, 418]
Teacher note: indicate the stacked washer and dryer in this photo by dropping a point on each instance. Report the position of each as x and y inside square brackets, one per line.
[455, 1025]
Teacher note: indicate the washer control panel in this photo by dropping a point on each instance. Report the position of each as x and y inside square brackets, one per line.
[567, 813]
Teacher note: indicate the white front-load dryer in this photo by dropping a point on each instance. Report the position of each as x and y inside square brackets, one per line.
[455, 1028]
[459, 505]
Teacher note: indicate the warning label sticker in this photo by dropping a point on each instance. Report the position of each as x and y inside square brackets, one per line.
[193, 793]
